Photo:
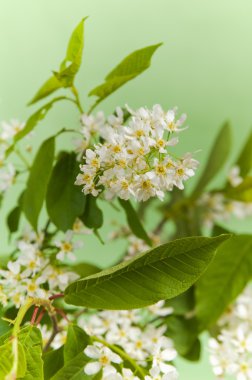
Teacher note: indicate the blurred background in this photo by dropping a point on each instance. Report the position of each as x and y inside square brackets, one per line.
[204, 68]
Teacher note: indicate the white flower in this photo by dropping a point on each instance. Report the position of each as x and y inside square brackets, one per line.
[160, 309]
[160, 357]
[156, 375]
[7, 177]
[127, 374]
[230, 352]
[10, 129]
[67, 247]
[103, 357]
[234, 177]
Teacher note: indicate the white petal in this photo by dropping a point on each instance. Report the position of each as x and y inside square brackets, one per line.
[92, 368]
[92, 352]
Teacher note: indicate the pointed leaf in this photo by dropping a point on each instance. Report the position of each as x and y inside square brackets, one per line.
[53, 362]
[14, 366]
[134, 221]
[13, 219]
[84, 269]
[216, 159]
[31, 340]
[131, 66]
[161, 273]
[224, 279]
[50, 86]
[184, 333]
[72, 370]
[76, 341]
[65, 76]
[37, 182]
[71, 64]
[33, 121]
[245, 159]
[64, 200]
[92, 216]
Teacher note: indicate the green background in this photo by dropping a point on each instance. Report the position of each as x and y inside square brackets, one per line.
[204, 68]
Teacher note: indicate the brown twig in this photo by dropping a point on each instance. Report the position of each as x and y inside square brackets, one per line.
[55, 331]
[34, 315]
[41, 314]
[62, 314]
[59, 295]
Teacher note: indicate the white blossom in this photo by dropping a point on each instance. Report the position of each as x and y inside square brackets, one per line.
[10, 129]
[132, 161]
[103, 358]
[230, 351]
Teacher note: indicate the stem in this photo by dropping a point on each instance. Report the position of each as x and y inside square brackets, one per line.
[77, 98]
[62, 314]
[59, 295]
[41, 314]
[54, 333]
[94, 106]
[34, 315]
[22, 158]
[123, 354]
[20, 316]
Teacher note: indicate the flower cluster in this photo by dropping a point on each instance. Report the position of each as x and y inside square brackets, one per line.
[216, 207]
[231, 350]
[132, 161]
[35, 274]
[145, 343]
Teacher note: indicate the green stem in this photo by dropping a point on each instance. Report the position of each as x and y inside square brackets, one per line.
[123, 355]
[20, 316]
[22, 158]
[77, 98]
[94, 106]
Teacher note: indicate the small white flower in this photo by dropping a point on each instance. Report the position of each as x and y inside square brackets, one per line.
[234, 177]
[67, 247]
[7, 177]
[10, 129]
[103, 357]
[156, 375]
[160, 309]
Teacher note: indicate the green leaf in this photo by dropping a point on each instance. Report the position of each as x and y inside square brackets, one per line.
[72, 370]
[84, 269]
[183, 332]
[33, 121]
[64, 200]
[194, 354]
[31, 340]
[183, 303]
[53, 362]
[37, 182]
[8, 364]
[242, 192]
[224, 279]
[92, 216]
[245, 158]
[69, 67]
[76, 341]
[71, 64]
[13, 219]
[216, 159]
[51, 85]
[131, 66]
[161, 273]
[134, 221]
